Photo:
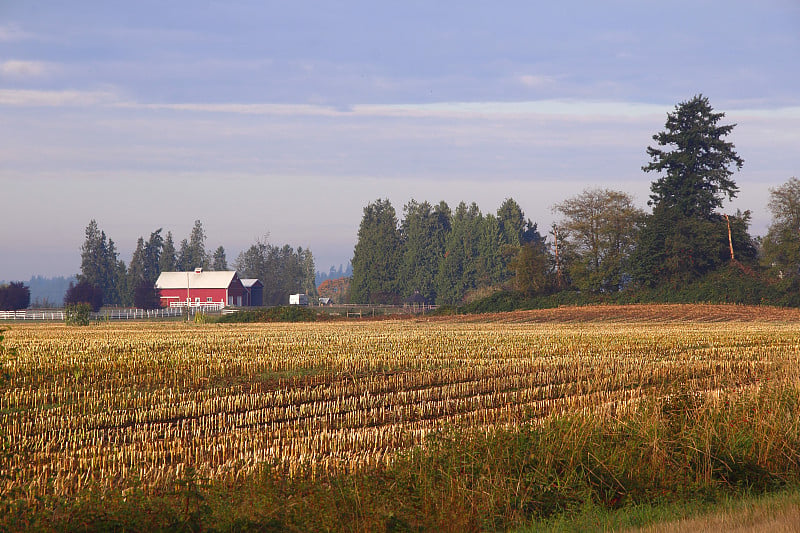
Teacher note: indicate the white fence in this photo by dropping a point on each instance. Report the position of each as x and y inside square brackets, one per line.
[198, 306]
[104, 314]
[32, 314]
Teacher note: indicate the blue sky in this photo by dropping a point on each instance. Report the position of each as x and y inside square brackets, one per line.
[286, 118]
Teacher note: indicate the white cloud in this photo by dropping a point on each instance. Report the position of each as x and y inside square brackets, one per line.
[12, 33]
[39, 98]
[536, 82]
[23, 69]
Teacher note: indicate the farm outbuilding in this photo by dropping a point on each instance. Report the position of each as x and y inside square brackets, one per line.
[201, 289]
[254, 292]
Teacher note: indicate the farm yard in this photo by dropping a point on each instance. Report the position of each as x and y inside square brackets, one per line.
[136, 406]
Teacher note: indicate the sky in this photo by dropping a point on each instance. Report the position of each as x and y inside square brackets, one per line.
[283, 120]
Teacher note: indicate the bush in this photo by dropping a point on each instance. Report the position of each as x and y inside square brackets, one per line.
[287, 313]
[77, 314]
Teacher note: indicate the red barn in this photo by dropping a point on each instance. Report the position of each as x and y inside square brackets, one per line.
[200, 289]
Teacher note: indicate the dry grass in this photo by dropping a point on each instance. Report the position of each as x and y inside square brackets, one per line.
[777, 516]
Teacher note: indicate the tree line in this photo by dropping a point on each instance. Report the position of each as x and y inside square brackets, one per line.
[602, 244]
[435, 252]
[104, 279]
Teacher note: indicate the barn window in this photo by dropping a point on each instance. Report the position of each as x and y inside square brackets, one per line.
[209, 299]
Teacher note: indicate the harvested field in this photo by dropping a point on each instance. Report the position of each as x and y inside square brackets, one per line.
[641, 313]
[118, 405]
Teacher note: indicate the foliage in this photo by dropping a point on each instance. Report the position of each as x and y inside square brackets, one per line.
[684, 238]
[192, 253]
[48, 292]
[376, 256]
[143, 271]
[423, 233]
[532, 269]
[100, 266]
[781, 245]
[674, 250]
[77, 314]
[598, 235]
[460, 267]
[84, 292]
[14, 296]
[696, 170]
[147, 296]
[168, 261]
[337, 289]
[219, 261]
[283, 270]
[440, 254]
[286, 313]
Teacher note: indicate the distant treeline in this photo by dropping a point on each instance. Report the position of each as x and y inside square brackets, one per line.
[333, 273]
[603, 248]
[283, 269]
[47, 292]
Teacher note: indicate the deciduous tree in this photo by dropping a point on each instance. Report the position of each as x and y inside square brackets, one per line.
[14, 296]
[781, 245]
[598, 233]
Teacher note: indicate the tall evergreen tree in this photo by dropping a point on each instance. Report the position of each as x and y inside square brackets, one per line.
[219, 262]
[307, 271]
[458, 271]
[424, 230]
[136, 272]
[695, 161]
[99, 264]
[511, 220]
[376, 255]
[685, 238]
[183, 259]
[490, 265]
[152, 256]
[168, 261]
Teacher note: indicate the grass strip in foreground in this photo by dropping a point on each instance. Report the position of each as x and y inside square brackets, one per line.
[574, 472]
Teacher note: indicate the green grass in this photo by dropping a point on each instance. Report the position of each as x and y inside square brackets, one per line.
[287, 313]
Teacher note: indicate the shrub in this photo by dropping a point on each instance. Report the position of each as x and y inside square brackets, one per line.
[77, 314]
[286, 313]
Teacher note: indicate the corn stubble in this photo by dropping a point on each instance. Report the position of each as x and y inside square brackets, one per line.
[118, 406]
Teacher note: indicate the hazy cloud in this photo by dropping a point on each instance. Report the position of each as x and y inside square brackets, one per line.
[23, 69]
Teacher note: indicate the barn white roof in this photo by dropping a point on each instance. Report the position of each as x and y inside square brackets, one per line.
[196, 280]
[249, 282]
